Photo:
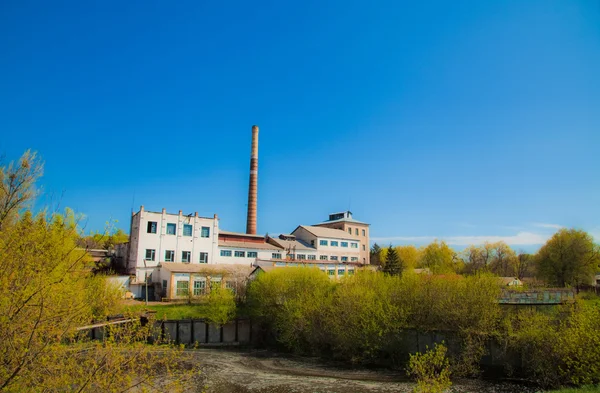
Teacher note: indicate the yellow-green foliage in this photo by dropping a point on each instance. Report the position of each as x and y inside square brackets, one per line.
[431, 370]
[47, 291]
[359, 318]
[362, 314]
[221, 307]
[559, 350]
[294, 301]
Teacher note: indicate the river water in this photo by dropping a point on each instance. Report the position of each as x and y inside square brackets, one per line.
[236, 371]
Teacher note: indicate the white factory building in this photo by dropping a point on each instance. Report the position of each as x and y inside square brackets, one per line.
[167, 249]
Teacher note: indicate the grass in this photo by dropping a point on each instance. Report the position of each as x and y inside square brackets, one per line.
[169, 311]
[583, 389]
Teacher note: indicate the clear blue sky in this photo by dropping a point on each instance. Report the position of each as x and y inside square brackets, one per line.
[462, 121]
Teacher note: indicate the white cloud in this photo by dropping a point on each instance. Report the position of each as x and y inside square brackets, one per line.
[520, 239]
[548, 226]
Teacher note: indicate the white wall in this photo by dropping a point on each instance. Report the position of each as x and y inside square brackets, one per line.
[329, 250]
[141, 240]
[233, 260]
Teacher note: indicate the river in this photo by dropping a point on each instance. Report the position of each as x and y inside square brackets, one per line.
[236, 371]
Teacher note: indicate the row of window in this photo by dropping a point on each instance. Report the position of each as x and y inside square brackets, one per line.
[364, 232]
[188, 229]
[186, 256]
[200, 286]
[335, 243]
[301, 257]
[239, 254]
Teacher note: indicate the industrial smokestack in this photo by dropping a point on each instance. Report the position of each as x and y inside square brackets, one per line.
[253, 187]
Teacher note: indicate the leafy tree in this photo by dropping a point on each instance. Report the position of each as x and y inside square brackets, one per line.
[17, 185]
[431, 370]
[221, 307]
[524, 265]
[439, 258]
[409, 255]
[504, 260]
[569, 258]
[375, 256]
[393, 264]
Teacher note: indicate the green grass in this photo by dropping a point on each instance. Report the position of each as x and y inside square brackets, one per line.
[583, 389]
[170, 311]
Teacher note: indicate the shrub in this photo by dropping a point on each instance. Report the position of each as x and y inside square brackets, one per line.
[431, 370]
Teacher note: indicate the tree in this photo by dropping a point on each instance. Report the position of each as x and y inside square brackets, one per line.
[439, 258]
[17, 185]
[569, 258]
[524, 265]
[393, 264]
[375, 256]
[48, 292]
[409, 255]
[504, 260]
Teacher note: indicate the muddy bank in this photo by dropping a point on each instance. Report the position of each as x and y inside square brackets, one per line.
[233, 371]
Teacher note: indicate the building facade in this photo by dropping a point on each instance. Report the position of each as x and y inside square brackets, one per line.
[357, 230]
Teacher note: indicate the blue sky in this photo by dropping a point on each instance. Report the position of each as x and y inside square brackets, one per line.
[465, 121]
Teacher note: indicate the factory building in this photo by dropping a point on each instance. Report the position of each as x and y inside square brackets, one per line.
[175, 255]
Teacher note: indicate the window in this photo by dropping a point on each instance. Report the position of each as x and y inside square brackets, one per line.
[169, 256]
[301, 256]
[165, 285]
[150, 255]
[356, 232]
[203, 257]
[312, 243]
[334, 258]
[252, 254]
[279, 263]
[199, 287]
[215, 282]
[344, 259]
[152, 226]
[187, 230]
[331, 272]
[239, 254]
[344, 244]
[186, 256]
[341, 272]
[334, 243]
[290, 256]
[205, 232]
[354, 259]
[364, 232]
[322, 242]
[323, 257]
[350, 272]
[275, 255]
[171, 229]
[350, 231]
[312, 257]
[182, 288]
[364, 249]
[225, 253]
[231, 286]
[354, 245]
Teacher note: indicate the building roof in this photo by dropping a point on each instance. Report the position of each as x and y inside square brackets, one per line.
[221, 268]
[291, 244]
[327, 232]
[251, 245]
[221, 232]
[352, 220]
[508, 280]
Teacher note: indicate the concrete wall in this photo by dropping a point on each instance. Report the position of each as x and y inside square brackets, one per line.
[190, 332]
[329, 250]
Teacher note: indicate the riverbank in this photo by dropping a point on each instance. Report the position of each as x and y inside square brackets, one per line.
[238, 371]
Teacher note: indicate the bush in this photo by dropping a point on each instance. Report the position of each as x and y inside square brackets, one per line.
[431, 370]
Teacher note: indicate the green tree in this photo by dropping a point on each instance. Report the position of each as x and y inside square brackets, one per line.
[393, 264]
[409, 255]
[569, 258]
[375, 256]
[439, 258]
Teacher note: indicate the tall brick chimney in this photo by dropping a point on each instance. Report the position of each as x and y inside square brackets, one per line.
[253, 187]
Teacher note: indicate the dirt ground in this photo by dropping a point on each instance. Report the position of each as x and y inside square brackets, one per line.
[233, 371]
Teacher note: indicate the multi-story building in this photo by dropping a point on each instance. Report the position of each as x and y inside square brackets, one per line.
[330, 244]
[356, 230]
[166, 250]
